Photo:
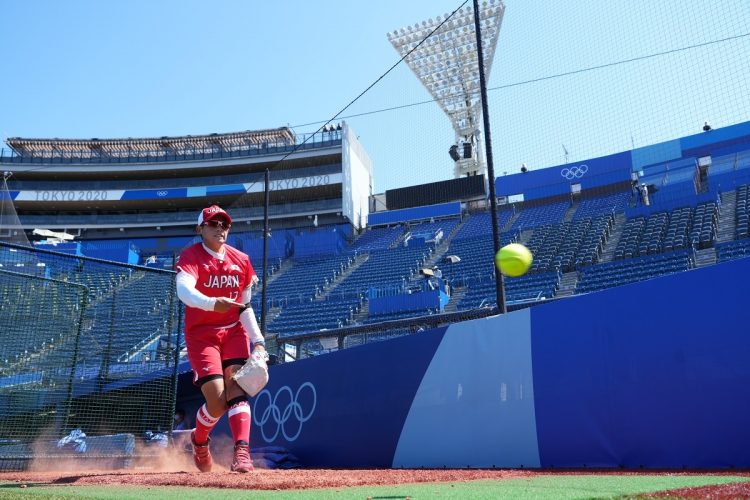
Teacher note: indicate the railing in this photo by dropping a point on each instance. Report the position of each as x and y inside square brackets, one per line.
[304, 142]
[172, 183]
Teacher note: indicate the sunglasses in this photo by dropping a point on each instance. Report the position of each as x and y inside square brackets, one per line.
[217, 223]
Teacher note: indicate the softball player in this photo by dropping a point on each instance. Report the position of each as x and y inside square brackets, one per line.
[214, 282]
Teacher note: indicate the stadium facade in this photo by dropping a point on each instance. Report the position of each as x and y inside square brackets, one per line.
[154, 187]
[637, 382]
[140, 196]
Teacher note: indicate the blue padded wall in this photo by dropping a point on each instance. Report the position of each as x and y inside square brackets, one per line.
[468, 414]
[556, 180]
[653, 374]
[352, 403]
[656, 153]
[725, 137]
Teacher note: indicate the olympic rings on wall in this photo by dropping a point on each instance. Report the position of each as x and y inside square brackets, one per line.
[576, 172]
[272, 419]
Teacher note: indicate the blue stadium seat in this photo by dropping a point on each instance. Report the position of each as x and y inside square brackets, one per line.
[620, 272]
[732, 250]
[378, 238]
[540, 215]
[742, 215]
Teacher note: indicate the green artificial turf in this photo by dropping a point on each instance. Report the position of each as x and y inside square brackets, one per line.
[552, 487]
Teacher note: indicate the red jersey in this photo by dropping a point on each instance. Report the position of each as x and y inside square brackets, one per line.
[215, 278]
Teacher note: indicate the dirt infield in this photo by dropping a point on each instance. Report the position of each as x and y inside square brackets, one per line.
[730, 491]
[263, 479]
[329, 478]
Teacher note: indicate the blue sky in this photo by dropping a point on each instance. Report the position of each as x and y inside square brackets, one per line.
[83, 69]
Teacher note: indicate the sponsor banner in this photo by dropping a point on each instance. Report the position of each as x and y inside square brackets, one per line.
[294, 183]
[154, 194]
[70, 196]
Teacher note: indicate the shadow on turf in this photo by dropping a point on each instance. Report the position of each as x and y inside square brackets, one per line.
[17, 486]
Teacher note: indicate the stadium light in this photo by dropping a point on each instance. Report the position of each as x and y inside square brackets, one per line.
[446, 63]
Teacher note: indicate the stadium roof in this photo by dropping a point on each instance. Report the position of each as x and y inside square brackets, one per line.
[282, 136]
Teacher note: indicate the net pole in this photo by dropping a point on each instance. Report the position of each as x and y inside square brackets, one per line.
[174, 308]
[84, 302]
[266, 232]
[104, 370]
[499, 286]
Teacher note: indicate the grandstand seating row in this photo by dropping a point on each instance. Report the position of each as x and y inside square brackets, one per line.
[618, 273]
[732, 250]
[558, 248]
[568, 245]
[123, 307]
[742, 215]
[329, 291]
[666, 231]
[528, 287]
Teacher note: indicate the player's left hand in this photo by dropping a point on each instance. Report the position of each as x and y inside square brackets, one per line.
[224, 304]
[259, 351]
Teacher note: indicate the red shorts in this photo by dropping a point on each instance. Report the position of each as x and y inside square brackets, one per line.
[212, 349]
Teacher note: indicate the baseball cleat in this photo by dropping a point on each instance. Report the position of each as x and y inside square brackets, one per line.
[241, 461]
[201, 454]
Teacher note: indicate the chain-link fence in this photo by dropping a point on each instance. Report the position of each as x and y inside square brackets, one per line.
[88, 357]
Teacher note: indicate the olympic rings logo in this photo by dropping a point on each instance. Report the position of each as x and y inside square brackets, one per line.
[161, 193]
[574, 172]
[292, 411]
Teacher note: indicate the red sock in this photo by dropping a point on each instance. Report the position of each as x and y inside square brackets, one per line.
[239, 421]
[204, 422]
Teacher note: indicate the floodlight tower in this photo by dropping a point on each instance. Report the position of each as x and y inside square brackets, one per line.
[446, 63]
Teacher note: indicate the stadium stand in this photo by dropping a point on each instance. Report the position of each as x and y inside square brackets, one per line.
[585, 243]
[476, 256]
[432, 232]
[676, 236]
[480, 224]
[703, 230]
[531, 287]
[315, 316]
[532, 217]
[319, 277]
[602, 205]
[742, 223]
[306, 279]
[564, 246]
[383, 267]
[732, 250]
[378, 239]
[631, 270]
[161, 201]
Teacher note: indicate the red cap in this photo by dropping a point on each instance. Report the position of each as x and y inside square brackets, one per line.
[213, 212]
